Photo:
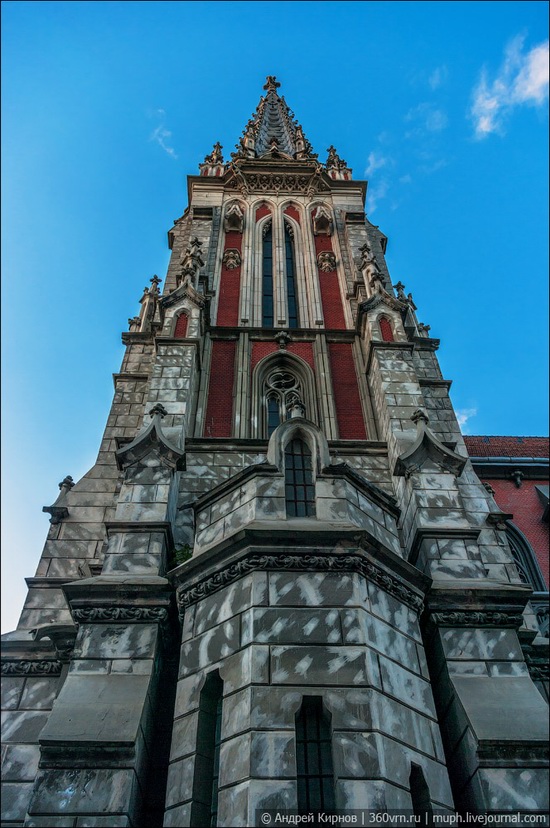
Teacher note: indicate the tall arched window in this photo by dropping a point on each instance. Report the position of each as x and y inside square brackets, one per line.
[299, 484]
[267, 277]
[314, 769]
[290, 278]
[181, 325]
[204, 808]
[386, 330]
[282, 389]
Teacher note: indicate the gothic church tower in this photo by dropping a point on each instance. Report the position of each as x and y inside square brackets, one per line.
[282, 585]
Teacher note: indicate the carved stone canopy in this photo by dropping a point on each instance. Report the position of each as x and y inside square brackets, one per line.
[322, 221]
[234, 219]
[152, 439]
[427, 447]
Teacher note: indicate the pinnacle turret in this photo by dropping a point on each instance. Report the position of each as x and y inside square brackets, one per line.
[273, 131]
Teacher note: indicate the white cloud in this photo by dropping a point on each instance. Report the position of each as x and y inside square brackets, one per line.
[405, 179]
[428, 117]
[463, 415]
[438, 77]
[161, 135]
[522, 79]
[375, 162]
[376, 194]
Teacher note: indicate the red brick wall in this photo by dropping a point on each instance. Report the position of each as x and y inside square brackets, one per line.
[524, 503]
[331, 298]
[301, 349]
[230, 285]
[293, 213]
[263, 210]
[219, 410]
[351, 425]
[386, 329]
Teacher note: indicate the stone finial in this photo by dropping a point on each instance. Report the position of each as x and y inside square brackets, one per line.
[283, 338]
[271, 83]
[424, 330]
[216, 156]
[420, 416]
[159, 410]
[58, 510]
[400, 288]
[297, 409]
[133, 323]
[155, 282]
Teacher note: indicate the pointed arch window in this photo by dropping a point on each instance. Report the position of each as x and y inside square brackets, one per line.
[315, 773]
[283, 389]
[267, 276]
[299, 483]
[291, 291]
[204, 808]
[386, 330]
[181, 326]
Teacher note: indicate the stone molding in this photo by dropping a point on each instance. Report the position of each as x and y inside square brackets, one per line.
[478, 618]
[44, 667]
[298, 563]
[123, 614]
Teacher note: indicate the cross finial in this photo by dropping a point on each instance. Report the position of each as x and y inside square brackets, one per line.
[271, 83]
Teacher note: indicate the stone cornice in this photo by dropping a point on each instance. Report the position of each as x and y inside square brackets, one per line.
[136, 337]
[476, 604]
[129, 377]
[256, 470]
[38, 667]
[321, 562]
[120, 614]
[421, 534]
[260, 549]
[377, 345]
[477, 619]
[435, 383]
[373, 492]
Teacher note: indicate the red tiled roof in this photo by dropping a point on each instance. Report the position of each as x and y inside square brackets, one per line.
[485, 446]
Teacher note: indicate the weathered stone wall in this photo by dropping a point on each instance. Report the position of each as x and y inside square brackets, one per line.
[277, 636]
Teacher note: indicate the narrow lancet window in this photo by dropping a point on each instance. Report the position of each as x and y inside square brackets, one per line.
[181, 325]
[267, 278]
[315, 774]
[273, 415]
[299, 485]
[204, 808]
[420, 796]
[290, 279]
[386, 330]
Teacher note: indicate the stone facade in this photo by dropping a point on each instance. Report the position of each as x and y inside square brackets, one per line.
[283, 517]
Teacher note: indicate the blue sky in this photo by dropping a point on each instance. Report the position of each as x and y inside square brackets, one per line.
[107, 106]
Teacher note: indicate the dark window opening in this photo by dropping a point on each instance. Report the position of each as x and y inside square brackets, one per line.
[273, 415]
[290, 280]
[204, 808]
[420, 796]
[314, 769]
[267, 278]
[299, 486]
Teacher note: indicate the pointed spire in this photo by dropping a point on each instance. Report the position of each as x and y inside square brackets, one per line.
[272, 131]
